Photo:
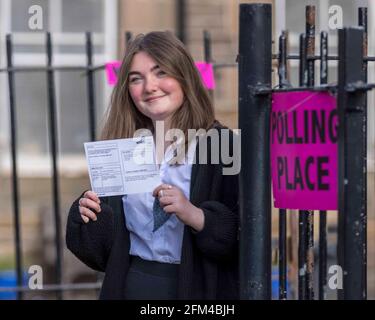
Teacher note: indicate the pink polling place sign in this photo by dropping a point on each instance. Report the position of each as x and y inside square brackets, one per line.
[304, 150]
[205, 69]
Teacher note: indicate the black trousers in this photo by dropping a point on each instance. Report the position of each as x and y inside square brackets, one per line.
[151, 280]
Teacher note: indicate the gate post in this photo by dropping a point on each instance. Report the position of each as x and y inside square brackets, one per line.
[255, 70]
[352, 165]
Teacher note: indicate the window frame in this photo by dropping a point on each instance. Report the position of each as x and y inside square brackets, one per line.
[40, 165]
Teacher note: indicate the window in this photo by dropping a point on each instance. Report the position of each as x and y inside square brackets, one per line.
[67, 20]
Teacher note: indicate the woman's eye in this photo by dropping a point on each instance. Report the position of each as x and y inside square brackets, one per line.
[134, 79]
[161, 73]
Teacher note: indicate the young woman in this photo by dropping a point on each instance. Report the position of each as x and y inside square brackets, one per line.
[193, 252]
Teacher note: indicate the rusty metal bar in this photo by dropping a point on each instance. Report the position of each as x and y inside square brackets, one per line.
[310, 43]
[302, 61]
[301, 215]
[310, 51]
[362, 21]
[323, 213]
[318, 57]
[283, 82]
[310, 255]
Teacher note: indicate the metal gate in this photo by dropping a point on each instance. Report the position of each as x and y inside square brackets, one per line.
[255, 89]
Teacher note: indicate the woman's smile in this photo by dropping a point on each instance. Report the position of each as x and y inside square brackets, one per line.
[152, 99]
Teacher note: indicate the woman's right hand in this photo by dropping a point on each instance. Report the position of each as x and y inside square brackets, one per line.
[89, 206]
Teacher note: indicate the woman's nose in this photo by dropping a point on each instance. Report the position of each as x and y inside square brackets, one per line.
[151, 84]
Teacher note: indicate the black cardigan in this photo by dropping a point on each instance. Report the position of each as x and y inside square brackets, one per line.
[209, 258]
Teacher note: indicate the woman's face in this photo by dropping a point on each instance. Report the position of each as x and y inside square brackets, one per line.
[154, 93]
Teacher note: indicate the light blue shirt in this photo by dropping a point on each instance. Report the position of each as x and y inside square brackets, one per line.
[163, 245]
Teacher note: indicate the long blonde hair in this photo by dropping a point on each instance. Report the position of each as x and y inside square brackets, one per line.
[122, 118]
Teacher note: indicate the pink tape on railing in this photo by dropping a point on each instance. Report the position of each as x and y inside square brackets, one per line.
[205, 69]
[112, 68]
[207, 73]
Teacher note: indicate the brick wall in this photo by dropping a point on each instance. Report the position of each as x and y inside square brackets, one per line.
[217, 18]
[220, 18]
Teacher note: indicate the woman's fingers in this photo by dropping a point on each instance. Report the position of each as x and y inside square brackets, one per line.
[88, 203]
[165, 200]
[87, 213]
[92, 196]
[163, 186]
[169, 208]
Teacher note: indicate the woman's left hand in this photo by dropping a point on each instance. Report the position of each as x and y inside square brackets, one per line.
[173, 200]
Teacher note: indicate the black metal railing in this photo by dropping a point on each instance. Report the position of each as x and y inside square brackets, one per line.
[255, 62]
